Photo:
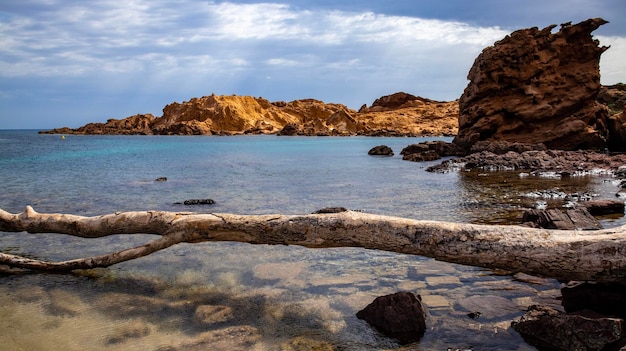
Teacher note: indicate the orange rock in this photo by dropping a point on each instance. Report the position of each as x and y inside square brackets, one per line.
[535, 86]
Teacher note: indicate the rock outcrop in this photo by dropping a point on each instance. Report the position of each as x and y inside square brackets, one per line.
[398, 114]
[404, 114]
[535, 86]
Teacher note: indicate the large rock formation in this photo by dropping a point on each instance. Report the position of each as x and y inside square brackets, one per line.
[405, 114]
[535, 86]
[397, 114]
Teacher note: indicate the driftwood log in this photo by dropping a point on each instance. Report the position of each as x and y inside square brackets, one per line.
[561, 254]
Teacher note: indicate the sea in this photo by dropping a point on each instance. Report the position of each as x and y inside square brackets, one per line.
[238, 296]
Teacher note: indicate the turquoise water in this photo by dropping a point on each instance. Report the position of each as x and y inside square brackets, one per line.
[281, 296]
[243, 174]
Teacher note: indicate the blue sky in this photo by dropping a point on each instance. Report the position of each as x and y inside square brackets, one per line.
[71, 62]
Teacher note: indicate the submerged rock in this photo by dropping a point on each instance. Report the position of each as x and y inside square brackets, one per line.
[401, 316]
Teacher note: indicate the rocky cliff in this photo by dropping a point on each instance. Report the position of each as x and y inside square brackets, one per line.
[397, 114]
[536, 86]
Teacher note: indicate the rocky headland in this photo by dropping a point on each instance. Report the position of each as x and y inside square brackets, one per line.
[399, 114]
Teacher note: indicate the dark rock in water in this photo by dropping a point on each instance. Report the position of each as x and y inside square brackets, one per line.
[381, 150]
[440, 147]
[549, 329]
[414, 149]
[331, 210]
[604, 298]
[401, 316]
[603, 207]
[578, 218]
[501, 147]
[562, 162]
[161, 179]
[429, 155]
[197, 202]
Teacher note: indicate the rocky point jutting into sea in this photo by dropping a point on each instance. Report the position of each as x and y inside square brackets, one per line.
[399, 114]
[534, 102]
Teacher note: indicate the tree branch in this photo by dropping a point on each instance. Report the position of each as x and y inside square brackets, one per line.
[566, 255]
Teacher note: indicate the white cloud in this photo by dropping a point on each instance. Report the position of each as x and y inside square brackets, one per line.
[612, 67]
[114, 36]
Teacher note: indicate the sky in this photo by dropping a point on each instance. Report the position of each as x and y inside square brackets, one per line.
[72, 62]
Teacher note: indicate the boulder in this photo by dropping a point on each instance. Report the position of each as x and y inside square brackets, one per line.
[401, 316]
[536, 86]
[429, 155]
[549, 329]
[380, 150]
[553, 218]
[414, 149]
[441, 147]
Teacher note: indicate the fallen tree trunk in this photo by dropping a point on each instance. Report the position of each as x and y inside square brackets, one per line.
[561, 254]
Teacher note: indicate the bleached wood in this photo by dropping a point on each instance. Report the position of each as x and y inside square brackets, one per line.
[565, 255]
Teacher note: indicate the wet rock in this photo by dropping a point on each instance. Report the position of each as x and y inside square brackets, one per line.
[501, 147]
[578, 218]
[422, 156]
[64, 303]
[401, 316]
[536, 86]
[603, 207]
[331, 210]
[209, 314]
[305, 344]
[381, 150]
[604, 298]
[231, 338]
[192, 202]
[560, 162]
[488, 306]
[131, 330]
[549, 329]
[414, 149]
[440, 147]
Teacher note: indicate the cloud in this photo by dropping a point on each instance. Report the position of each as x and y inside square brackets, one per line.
[110, 36]
[612, 66]
[149, 53]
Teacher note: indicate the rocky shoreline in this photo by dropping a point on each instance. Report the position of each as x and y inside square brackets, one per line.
[534, 104]
[399, 114]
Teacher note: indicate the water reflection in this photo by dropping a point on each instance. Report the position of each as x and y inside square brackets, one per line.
[502, 197]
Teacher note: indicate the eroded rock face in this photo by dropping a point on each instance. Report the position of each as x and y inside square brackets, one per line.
[535, 86]
[403, 114]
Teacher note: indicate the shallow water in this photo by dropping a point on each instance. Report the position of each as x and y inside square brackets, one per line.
[233, 296]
